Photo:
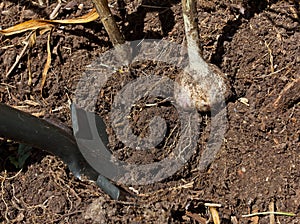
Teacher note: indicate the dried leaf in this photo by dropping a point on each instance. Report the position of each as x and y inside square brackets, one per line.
[89, 17]
[32, 41]
[26, 26]
[44, 24]
[48, 62]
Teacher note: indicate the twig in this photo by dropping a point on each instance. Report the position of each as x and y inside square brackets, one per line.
[154, 7]
[8, 85]
[271, 56]
[212, 205]
[272, 209]
[54, 13]
[289, 95]
[196, 217]
[268, 213]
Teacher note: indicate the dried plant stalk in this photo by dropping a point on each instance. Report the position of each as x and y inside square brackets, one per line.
[109, 22]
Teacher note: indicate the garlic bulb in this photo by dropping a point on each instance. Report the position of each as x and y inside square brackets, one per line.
[202, 91]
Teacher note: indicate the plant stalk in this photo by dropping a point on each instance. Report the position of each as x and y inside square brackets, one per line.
[196, 60]
[109, 22]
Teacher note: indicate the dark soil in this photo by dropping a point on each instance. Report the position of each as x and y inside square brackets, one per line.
[256, 43]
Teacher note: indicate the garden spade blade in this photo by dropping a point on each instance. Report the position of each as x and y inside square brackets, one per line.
[24, 128]
[90, 133]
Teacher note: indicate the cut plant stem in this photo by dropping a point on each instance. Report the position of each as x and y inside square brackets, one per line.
[109, 22]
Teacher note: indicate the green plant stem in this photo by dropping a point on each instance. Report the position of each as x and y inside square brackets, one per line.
[189, 12]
